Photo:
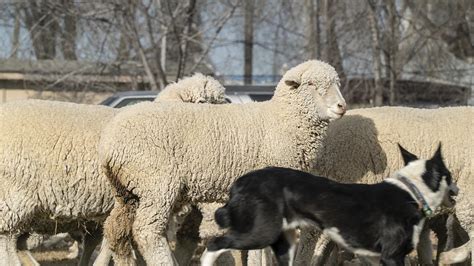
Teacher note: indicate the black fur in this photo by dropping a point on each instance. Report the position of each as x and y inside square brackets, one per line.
[222, 217]
[406, 155]
[379, 218]
[435, 169]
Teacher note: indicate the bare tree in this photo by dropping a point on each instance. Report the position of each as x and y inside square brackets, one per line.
[16, 34]
[69, 30]
[376, 54]
[313, 29]
[43, 26]
[332, 53]
[248, 42]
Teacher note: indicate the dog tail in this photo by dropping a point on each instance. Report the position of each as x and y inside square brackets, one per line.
[222, 217]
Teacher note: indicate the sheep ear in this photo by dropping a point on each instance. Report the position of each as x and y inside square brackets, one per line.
[406, 155]
[292, 83]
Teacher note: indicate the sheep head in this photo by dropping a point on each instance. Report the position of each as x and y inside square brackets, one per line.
[195, 89]
[317, 84]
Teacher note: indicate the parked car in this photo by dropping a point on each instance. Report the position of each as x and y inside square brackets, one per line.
[234, 94]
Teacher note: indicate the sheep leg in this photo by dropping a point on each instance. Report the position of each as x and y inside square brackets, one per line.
[150, 225]
[90, 241]
[306, 246]
[456, 255]
[255, 257]
[8, 255]
[105, 254]
[322, 249]
[187, 237]
[471, 240]
[118, 231]
[28, 259]
[154, 246]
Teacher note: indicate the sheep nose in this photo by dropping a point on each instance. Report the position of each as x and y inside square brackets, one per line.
[342, 107]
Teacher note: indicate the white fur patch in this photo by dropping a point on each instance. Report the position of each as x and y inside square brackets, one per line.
[416, 232]
[294, 224]
[333, 233]
[209, 257]
[292, 253]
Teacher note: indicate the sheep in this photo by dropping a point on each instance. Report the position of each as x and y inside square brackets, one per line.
[194, 90]
[360, 147]
[51, 180]
[177, 154]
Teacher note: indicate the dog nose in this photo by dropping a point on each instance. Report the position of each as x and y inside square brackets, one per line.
[453, 190]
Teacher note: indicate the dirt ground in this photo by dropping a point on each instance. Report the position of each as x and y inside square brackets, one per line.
[59, 256]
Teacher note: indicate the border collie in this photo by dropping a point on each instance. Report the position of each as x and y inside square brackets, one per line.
[383, 220]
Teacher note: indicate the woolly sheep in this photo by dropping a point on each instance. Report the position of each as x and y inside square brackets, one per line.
[198, 89]
[361, 147]
[179, 154]
[50, 176]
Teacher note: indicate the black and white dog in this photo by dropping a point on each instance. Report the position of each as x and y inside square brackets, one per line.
[383, 219]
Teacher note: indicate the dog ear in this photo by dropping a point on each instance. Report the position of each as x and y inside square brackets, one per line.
[406, 155]
[437, 157]
[436, 162]
[435, 170]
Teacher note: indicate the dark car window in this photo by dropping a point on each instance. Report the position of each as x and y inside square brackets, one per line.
[126, 102]
[260, 97]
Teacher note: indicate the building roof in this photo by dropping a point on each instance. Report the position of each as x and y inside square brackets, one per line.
[63, 73]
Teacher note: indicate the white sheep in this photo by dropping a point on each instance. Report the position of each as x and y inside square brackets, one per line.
[197, 89]
[361, 147]
[176, 154]
[49, 171]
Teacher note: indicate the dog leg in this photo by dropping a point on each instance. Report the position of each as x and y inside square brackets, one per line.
[424, 248]
[392, 261]
[282, 249]
[209, 257]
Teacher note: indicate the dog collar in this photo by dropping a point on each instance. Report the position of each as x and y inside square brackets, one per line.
[425, 208]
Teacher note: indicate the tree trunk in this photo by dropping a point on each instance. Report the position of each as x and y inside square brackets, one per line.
[70, 31]
[16, 35]
[123, 51]
[392, 50]
[185, 38]
[248, 42]
[332, 51]
[376, 56]
[43, 27]
[313, 34]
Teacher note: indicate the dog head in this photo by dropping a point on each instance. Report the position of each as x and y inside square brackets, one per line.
[435, 180]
